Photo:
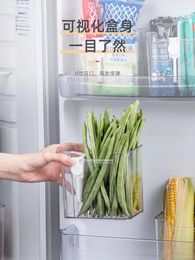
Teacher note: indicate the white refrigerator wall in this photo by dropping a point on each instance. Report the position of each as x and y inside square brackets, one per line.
[168, 139]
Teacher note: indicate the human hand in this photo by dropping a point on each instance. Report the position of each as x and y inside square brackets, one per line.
[46, 165]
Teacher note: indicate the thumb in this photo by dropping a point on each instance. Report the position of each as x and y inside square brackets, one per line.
[59, 157]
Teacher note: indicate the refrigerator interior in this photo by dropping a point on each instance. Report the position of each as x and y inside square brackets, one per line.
[168, 150]
[168, 136]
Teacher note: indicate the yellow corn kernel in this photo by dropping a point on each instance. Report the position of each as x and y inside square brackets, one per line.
[170, 209]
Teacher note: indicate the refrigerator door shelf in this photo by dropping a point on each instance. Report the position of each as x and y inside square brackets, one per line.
[82, 87]
[161, 68]
[75, 246]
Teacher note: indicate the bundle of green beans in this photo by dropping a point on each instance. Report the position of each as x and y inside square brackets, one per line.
[113, 186]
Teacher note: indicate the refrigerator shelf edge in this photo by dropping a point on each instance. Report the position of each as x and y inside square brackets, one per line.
[88, 87]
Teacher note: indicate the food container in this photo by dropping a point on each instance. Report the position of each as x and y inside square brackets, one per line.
[100, 189]
[76, 245]
[176, 250]
[1, 232]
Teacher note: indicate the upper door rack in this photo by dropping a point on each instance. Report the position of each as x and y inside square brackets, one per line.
[114, 58]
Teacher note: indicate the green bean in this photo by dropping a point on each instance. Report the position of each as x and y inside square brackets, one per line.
[135, 187]
[88, 156]
[106, 120]
[92, 136]
[108, 133]
[120, 140]
[133, 136]
[114, 168]
[104, 149]
[139, 130]
[90, 182]
[120, 212]
[99, 179]
[114, 127]
[134, 113]
[141, 125]
[86, 148]
[107, 175]
[100, 205]
[125, 116]
[122, 170]
[94, 123]
[94, 204]
[138, 187]
[93, 131]
[132, 133]
[128, 116]
[92, 178]
[105, 196]
[100, 132]
[125, 119]
[122, 120]
[114, 206]
[129, 188]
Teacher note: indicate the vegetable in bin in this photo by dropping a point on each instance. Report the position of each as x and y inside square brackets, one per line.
[179, 218]
[113, 186]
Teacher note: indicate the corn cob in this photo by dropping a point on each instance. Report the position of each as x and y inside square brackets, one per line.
[179, 222]
[170, 209]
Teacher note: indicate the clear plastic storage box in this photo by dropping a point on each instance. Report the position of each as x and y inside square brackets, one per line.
[99, 189]
[75, 246]
[164, 68]
[78, 247]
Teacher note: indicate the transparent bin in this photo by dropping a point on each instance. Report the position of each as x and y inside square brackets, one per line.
[162, 67]
[71, 86]
[1, 232]
[91, 189]
[75, 246]
[176, 250]
[87, 87]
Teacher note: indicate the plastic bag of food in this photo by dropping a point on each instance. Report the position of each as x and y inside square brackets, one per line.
[122, 12]
[91, 13]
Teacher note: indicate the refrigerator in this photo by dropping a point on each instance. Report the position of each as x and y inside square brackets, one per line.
[164, 140]
[34, 114]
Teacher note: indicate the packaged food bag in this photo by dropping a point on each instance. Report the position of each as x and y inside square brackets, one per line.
[119, 11]
[91, 13]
